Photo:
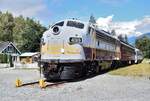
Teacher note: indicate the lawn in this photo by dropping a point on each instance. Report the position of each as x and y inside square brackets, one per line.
[142, 69]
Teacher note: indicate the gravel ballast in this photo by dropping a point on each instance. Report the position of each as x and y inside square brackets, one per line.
[103, 87]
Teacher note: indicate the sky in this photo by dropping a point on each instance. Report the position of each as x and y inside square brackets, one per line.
[132, 16]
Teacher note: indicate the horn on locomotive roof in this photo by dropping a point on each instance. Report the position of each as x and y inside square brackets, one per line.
[74, 18]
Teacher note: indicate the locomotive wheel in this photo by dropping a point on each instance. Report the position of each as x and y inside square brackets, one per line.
[84, 70]
[49, 75]
[68, 73]
[94, 67]
[114, 64]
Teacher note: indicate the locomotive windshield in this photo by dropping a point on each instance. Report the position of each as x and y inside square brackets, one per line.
[58, 24]
[75, 24]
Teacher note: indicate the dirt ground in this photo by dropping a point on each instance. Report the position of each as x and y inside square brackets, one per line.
[103, 87]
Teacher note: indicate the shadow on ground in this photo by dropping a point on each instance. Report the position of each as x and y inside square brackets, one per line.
[88, 76]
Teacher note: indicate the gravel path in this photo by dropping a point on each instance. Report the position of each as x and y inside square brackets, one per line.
[100, 88]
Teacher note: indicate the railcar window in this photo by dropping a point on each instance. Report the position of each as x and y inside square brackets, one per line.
[75, 24]
[89, 30]
[98, 43]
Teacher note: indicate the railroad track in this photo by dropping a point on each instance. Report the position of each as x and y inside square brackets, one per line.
[56, 84]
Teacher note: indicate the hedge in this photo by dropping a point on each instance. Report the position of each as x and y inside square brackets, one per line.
[4, 58]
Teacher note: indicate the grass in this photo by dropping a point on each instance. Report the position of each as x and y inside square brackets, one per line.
[136, 70]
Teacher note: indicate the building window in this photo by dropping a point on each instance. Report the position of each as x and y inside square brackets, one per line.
[10, 49]
[98, 42]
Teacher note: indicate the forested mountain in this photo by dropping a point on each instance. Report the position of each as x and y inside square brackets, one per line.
[24, 32]
[146, 34]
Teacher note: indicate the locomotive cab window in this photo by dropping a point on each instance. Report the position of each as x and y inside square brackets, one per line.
[58, 24]
[75, 24]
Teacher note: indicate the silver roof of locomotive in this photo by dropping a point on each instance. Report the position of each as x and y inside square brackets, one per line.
[94, 26]
[71, 19]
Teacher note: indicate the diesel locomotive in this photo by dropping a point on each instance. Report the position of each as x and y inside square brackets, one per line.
[71, 48]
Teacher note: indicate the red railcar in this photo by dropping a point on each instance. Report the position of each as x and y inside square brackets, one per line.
[127, 53]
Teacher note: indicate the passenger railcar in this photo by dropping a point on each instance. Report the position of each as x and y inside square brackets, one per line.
[138, 56]
[72, 48]
[127, 53]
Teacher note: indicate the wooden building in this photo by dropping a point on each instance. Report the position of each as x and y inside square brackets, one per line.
[29, 57]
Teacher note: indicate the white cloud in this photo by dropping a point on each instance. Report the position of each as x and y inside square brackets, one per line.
[144, 25]
[26, 8]
[128, 28]
[131, 28]
[104, 23]
[36, 9]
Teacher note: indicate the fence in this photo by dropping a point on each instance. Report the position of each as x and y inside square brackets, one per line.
[21, 65]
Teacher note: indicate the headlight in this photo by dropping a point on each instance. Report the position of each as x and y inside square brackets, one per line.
[56, 30]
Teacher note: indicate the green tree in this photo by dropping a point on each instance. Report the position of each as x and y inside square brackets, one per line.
[24, 32]
[144, 45]
[126, 38]
[113, 32]
[31, 35]
[121, 37]
[18, 30]
[6, 26]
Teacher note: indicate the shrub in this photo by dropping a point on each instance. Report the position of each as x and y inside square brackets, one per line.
[3, 58]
